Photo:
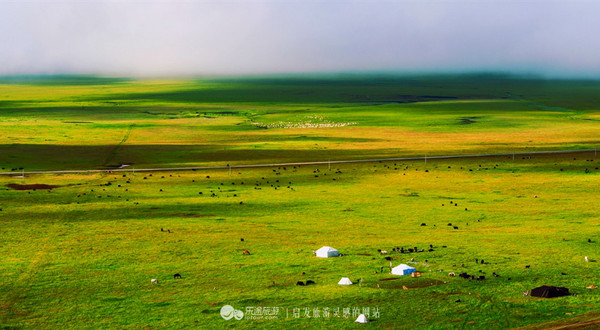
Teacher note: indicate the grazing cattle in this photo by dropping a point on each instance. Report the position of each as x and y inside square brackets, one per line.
[154, 281]
[586, 259]
[300, 283]
[589, 240]
[423, 224]
[527, 266]
[246, 252]
[412, 259]
[382, 251]
[482, 262]
[449, 224]
[455, 227]
[309, 282]
[388, 258]
[177, 276]
[526, 293]
[451, 274]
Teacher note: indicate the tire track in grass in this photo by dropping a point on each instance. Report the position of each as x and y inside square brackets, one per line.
[28, 274]
[18, 294]
[113, 152]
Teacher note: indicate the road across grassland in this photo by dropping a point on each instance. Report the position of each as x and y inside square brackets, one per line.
[327, 162]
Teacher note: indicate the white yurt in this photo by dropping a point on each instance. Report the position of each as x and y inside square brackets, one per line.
[327, 252]
[403, 269]
[345, 281]
[362, 319]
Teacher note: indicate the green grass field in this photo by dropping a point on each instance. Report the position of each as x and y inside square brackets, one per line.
[82, 255]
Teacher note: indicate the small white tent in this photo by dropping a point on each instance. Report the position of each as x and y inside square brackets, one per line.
[345, 281]
[403, 269]
[327, 252]
[362, 319]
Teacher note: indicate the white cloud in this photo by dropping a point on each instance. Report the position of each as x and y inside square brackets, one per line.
[230, 37]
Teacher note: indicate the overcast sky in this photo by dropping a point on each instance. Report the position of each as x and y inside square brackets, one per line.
[170, 38]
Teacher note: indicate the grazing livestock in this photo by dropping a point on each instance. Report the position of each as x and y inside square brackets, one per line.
[241, 239]
[246, 252]
[586, 259]
[527, 266]
[309, 282]
[451, 274]
[382, 251]
[300, 283]
[154, 281]
[177, 276]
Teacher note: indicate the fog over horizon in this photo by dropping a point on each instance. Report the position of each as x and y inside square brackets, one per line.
[192, 38]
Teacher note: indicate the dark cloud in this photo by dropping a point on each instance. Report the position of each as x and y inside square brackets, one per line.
[240, 37]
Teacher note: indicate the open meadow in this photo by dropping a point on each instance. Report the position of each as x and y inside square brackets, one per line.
[81, 251]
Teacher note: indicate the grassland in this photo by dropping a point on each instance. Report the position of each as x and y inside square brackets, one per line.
[214, 122]
[82, 255]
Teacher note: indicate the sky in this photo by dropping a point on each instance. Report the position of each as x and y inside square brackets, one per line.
[222, 37]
